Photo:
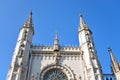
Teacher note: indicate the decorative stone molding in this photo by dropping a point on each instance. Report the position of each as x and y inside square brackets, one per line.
[50, 48]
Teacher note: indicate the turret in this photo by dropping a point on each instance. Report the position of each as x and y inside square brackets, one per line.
[115, 65]
[85, 38]
[89, 52]
[19, 65]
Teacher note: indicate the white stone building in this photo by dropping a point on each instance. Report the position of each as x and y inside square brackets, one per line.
[56, 62]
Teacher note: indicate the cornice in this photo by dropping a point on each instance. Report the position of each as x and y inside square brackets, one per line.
[51, 49]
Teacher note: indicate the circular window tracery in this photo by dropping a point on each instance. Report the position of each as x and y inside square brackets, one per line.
[58, 71]
[55, 74]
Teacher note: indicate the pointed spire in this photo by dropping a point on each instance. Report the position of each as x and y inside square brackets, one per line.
[82, 24]
[56, 42]
[115, 64]
[28, 22]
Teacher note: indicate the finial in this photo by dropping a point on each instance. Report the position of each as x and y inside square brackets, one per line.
[56, 39]
[56, 35]
[30, 16]
[80, 14]
[28, 22]
[83, 25]
[114, 62]
[109, 49]
[56, 43]
[82, 22]
[31, 12]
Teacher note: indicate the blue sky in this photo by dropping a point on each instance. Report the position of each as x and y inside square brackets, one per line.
[61, 16]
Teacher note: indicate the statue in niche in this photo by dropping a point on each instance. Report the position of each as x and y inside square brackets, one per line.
[16, 63]
[20, 53]
[56, 58]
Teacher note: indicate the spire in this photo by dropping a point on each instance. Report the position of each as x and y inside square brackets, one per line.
[82, 24]
[115, 65]
[28, 22]
[56, 42]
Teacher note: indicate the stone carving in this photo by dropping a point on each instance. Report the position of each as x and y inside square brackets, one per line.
[56, 54]
[63, 68]
[20, 53]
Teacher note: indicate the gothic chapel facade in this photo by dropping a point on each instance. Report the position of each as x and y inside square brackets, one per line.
[56, 62]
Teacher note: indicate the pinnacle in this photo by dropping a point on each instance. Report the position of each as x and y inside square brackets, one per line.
[28, 22]
[81, 20]
[113, 60]
[56, 39]
[56, 36]
[30, 12]
[56, 43]
[109, 49]
[80, 15]
[82, 24]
